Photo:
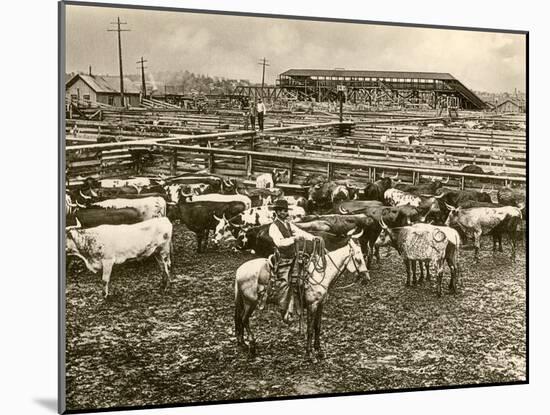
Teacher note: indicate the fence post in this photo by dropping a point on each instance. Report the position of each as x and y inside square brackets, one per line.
[252, 141]
[330, 171]
[291, 171]
[174, 162]
[211, 162]
[248, 164]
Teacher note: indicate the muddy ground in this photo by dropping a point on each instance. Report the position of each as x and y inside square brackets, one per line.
[144, 347]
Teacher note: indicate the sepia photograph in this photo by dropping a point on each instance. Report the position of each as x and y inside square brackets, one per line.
[261, 207]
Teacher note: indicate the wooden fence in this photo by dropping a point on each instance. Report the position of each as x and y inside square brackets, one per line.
[111, 160]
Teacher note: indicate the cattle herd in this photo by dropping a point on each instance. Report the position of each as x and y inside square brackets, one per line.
[111, 221]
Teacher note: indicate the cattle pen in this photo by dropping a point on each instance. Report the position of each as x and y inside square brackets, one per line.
[143, 346]
[348, 150]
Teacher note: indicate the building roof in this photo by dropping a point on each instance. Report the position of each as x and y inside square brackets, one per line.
[368, 74]
[106, 84]
[518, 103]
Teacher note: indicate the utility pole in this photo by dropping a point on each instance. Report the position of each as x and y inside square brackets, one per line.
[264, 63]
[143, 87]
[118, 29]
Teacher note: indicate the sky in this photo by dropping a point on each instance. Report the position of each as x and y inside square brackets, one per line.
[232, 46]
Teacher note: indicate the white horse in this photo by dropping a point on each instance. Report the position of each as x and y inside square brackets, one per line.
[253, 276]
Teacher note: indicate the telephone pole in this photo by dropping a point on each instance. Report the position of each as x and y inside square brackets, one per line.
[264, 63]
[118, 29]
[143, 87]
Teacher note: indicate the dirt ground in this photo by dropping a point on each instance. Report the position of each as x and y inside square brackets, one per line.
[144, 347]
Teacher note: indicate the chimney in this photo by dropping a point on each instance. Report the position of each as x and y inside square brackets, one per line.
[90, 70]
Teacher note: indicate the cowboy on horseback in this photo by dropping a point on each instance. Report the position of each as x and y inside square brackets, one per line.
[285, 235]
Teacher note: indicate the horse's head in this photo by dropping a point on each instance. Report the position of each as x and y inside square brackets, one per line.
[357, 263]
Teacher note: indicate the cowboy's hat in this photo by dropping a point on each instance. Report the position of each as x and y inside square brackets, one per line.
[279, 204]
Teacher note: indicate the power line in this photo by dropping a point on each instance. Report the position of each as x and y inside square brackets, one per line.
[264, 63]
[143, 87]
[118, 29]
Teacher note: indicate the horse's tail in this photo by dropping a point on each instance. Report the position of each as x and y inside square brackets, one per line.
[239, 311]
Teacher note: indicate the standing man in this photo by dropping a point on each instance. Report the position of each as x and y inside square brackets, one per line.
[261, 112]
[284, 235]
[252, 113]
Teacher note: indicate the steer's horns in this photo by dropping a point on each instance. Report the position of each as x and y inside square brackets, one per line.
[227, 183]
[440, 196]
[382, 224]
[357, 235]
[79, 205]
[446, 181]
[94, 194]
[383, 174]
[218, 219]
[450, 207]
[395, 177]
[84, 196]
[343, 211]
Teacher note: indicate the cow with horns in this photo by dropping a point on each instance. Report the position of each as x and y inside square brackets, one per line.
[376, 190]
[425, 244]
[456, 198]
[104, 246]
[478, 221]
[393, 216]
[202, 216]
[328, 194]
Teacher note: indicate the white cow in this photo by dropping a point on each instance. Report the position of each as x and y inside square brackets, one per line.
[149, 207]
[104, 246]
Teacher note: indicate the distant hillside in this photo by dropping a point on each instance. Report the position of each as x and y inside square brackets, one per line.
[191, 82]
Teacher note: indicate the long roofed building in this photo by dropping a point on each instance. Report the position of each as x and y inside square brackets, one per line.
[379, 88]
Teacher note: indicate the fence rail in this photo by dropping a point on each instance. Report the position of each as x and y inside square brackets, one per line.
[110, 160]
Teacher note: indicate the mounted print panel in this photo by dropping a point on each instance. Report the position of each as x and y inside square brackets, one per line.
[262, 207]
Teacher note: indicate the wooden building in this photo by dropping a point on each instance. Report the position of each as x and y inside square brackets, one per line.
[514, 106]
[96, 90]
[379, 88]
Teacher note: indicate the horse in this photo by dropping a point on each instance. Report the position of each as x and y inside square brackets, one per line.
[252, 278]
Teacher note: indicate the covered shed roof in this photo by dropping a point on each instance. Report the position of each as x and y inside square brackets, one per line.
[368, 74]
[106, 84]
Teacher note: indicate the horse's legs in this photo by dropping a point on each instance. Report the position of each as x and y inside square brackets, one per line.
[317, 341]
[248, 309]
[311, 317]
[239, 311]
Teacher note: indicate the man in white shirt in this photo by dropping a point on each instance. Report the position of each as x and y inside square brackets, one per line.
[260, 109]
[284, 235]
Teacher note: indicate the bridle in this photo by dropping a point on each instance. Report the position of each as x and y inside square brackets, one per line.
[350, 257]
